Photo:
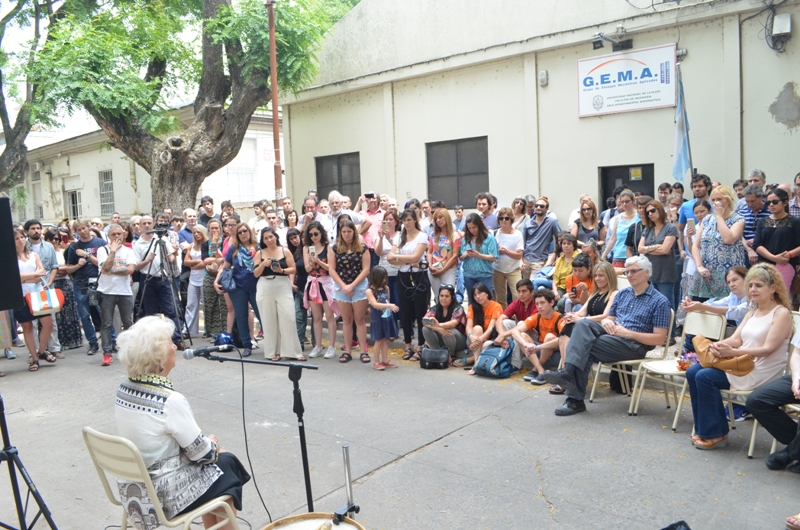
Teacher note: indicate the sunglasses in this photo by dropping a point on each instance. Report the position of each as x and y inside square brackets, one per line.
[446, 286]
[774, 202]
[540, 206]
[651, 211]
[586, 210]
[314, 234]
[627, 201]
[243, 231]
[504, 218]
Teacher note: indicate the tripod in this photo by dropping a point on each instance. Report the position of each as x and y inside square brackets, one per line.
[166, 275]
[10, 454]
[295, 372]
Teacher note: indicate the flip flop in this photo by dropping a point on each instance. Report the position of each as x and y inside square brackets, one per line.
[300, 359]
[556, 390]
[460, 363]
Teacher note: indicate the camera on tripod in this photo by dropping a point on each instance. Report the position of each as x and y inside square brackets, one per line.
[160, 229]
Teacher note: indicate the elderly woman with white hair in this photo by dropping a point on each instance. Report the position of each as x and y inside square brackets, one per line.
[187, 467]
[638, 320]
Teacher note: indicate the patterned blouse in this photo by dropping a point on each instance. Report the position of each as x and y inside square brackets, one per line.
[349, 265]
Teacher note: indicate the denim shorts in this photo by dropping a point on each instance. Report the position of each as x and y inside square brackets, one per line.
[359, 293]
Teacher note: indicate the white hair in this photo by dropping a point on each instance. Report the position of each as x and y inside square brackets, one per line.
[333, 194]
[643, 263]
[144, 347]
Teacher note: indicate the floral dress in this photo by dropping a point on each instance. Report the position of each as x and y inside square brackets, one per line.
[68, 321]
[717, 257]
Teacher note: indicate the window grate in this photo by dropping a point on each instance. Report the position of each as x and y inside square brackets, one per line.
[341, 173]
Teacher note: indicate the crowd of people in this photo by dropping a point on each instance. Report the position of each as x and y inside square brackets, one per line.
[508, 277]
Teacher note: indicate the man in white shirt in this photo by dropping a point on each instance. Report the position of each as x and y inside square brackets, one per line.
[273, 221]
[336, 201]
[312, 213]
[117, 263]
[156, 293]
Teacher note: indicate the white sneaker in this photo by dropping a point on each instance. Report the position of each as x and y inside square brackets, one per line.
[316, 352]
[331, 353]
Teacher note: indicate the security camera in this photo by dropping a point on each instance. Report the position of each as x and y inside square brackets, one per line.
[597, 41]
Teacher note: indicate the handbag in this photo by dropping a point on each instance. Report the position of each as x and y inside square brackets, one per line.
[795, 288]
[495, 362]
[226, 280]
[45, 302]
[741, 365]
[437, 359]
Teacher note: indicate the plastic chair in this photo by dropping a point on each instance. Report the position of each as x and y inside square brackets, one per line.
[622, 282]
[697, 323]
[120, 458]
[621, 368]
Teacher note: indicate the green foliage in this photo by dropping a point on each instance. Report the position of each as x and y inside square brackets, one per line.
[338, 8]
[299, 27]
[100, 60]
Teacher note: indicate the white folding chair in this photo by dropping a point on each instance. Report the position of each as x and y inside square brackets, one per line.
[665, 371]
[120, 458]
[621, 366]
[731, 396]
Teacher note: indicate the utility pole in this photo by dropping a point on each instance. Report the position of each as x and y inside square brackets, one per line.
[276, 127]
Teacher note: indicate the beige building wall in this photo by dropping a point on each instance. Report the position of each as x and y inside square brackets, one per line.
[387, 107]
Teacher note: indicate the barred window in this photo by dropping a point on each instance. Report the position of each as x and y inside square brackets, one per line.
[106, 193]
[458, 170]
[341, 173]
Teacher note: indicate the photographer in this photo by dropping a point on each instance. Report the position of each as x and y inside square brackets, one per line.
[82, 264]
[157, 295]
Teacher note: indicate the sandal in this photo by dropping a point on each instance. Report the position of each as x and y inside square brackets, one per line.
[33, 366]
[409, 353]
[365, 358]
[556, 390]
[415, 357]
[276, 358]
[300, 359]
[345, 358]
[460, 363]
[707, 444]
[793, 522]
[47, 356]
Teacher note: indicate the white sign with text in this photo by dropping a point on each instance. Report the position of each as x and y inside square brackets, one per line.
[627, 81]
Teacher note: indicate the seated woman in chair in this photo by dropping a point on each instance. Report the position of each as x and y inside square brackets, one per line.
[186, 466]
[764, 335]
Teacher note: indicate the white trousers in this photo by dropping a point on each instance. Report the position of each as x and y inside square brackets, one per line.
[276, 308]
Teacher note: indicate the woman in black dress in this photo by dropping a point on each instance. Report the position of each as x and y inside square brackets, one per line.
[777, 238]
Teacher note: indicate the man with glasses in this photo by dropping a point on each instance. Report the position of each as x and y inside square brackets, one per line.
[756, 177]
[538, 232]
[117, 264]
[156, 293]
[638, 319]
[753, 211]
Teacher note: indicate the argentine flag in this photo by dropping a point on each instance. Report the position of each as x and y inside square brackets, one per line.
[683, 153]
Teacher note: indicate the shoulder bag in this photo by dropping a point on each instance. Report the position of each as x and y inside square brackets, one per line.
[741, 365]
[226, 280]
[434, 359]
[48, 301]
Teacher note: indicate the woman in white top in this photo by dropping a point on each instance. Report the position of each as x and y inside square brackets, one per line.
[31, 272]
[412, 282]
[388, 235]
[507, 268]
[520, 215]
[764, 335]
[193, 259]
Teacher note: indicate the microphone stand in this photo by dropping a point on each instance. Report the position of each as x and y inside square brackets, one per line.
[295, 372]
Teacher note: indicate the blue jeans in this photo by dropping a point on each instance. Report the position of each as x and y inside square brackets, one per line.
[707, 407]
[84, 312]
[240, 298]
[469, 284]
[546, 283]
[157, 298]
[301, 319]
[394, 297]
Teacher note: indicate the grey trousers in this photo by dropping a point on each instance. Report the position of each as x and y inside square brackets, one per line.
[590, 343]
[109, 302]
[455, 344]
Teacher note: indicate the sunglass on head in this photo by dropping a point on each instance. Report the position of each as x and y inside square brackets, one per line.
[446, 286]
[774, 202]
[504, 218]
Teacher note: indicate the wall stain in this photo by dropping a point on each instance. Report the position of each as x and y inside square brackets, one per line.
[786, 107]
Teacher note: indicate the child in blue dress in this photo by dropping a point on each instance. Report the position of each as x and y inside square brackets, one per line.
[383, 325]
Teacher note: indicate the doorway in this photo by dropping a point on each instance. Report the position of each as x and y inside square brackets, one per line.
[637, 177]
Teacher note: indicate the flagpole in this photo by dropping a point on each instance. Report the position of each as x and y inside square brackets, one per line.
[685, 113]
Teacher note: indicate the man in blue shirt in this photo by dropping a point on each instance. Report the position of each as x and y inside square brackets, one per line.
[701, 188]
[483, 202]
[754, 209]
[538, 232]
[639, 318]
[81, 262]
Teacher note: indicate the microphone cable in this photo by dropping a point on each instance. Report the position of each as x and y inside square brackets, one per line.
[247, 445]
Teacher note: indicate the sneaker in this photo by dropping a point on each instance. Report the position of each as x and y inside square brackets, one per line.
[10, 354]
[530, 376]
[254, 346]
[18, 343]
[378, 366]
[106, 360]
[93, 348]
[740, 413]
[538, 380]
[331, 353]
[316, 352]
[246, 352]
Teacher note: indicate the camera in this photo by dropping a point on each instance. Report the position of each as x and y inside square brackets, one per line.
[160, 229]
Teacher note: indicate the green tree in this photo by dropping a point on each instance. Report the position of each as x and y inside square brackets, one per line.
[127, 60]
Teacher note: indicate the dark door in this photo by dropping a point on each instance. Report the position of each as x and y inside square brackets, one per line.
[637, 177]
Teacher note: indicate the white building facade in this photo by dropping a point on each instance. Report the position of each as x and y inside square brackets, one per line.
[83, 177]
[444, 99]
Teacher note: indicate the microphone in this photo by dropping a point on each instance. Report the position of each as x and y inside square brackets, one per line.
[200, 352]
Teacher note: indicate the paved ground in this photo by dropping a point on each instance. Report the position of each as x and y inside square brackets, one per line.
[429, 449]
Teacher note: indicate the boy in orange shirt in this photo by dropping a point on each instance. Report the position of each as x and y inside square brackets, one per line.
[579, 284]
[548, 323]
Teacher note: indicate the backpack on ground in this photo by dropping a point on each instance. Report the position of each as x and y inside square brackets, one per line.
[495, 361]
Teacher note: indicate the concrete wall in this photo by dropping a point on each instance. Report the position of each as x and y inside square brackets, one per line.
[537, 143]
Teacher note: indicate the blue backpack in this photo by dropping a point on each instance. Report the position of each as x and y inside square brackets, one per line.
[496, 361]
